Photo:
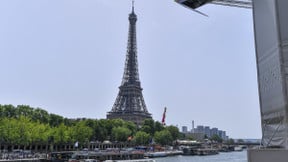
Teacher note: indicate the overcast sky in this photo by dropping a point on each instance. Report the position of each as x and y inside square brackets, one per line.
[67, 57]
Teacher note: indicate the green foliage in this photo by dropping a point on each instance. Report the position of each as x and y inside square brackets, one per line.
[9, 111]
[146, 129]
[174, 131]
[24, 125]
[108, 125]
[61, 134]
[23, 110]
[216, 138]
[81, 132]
[117, 122]
[120, 134]
[11, 127]
[190, 137]
[182, 136]
[142, 138]
[100, 132]
[40, 115]
[163, 137]
[55, 120]
[148, 126]
[131, 126]
[39, 133]
[158, 126]
[230, 141]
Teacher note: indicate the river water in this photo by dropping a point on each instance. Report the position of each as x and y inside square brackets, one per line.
[221, 157]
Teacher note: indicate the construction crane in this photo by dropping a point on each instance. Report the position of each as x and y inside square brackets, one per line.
[164, 117]
[194, 4]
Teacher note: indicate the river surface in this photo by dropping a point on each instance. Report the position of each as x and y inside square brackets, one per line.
[221, 157]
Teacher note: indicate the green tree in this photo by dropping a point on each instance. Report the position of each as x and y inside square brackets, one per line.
[216, 138]
[81, 133]
[142, 138]
[1, 112]
[148, 126]
[120, 134]
[117, 122]
[190, 137]
[131, 126]
[9, 111]
[22, 128]
[158, 126]
[108, 125]
[100, 130]
[90, 123]
[40, 115]
[11, 125]
[69, 122]
[40, 133]
[174, 131]
[24, 110]
[230, 141]
[147, 129]
[3, 130]
[182, 136]
[61, 134]
[55, 120]
[163, 137]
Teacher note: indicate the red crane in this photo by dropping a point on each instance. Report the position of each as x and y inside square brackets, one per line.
[164, 116]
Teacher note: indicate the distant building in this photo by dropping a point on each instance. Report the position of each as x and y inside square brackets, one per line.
[184, 129]
[193, 128]
[195, 136]
[214, 131]
[220, 133]
[199, 129]
[223, 135]
[207, 131]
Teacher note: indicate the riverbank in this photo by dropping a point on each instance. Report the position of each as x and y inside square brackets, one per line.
[221, 157]
[139, 152]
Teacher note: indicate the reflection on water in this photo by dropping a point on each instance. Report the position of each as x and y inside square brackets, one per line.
[222, 157]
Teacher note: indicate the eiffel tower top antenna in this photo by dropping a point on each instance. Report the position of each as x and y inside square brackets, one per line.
[133, 6]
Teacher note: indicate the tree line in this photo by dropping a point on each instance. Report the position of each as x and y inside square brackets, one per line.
[24, 125]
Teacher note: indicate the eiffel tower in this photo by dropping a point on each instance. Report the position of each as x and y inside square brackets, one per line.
[129, 104]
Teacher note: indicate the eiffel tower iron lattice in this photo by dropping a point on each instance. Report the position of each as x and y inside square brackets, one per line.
[129, 104]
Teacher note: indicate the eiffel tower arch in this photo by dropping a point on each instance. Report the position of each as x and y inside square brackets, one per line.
[129, 104]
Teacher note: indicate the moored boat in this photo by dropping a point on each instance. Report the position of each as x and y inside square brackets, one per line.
[238, 148]
[155, 154]
[136, 160]
[200, 151]
[207, 151]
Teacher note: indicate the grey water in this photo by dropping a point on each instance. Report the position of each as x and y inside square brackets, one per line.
[221, 157]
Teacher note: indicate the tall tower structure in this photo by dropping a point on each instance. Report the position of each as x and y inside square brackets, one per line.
[129, 104]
